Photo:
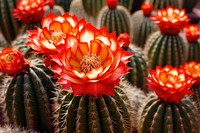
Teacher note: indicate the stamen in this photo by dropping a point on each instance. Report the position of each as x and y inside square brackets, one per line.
[57, 36]
[9, 58]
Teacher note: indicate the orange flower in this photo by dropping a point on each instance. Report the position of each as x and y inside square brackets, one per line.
[192, 33]
[124, 40]
[53, 33]
[170, 84]
[12, 62]
[170, 20]
[192, 69]
[147, 9]
[94, 64]
[29, 11]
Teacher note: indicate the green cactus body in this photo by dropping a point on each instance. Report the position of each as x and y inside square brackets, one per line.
[196, 96]
[194, 51]
[126, 3]
[29, 98]
[165, 50]
[160, 117]
[142, 27]
[92, 7]
[138, 69]
[8, 25]
[64, 3]
[188, 5]
[86, 114]
[159, 4]
[116, 20]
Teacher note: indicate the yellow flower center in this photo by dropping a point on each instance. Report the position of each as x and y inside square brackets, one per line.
[89, 62]
[57, 36]
[9, 58]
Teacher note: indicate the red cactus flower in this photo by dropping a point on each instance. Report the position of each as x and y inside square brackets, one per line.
[192, 33]
[147, 9]
[170, 20]
[12, 62]
[124, 40]
[51, 3]
[29, 11]
[170, 84]
[53, 33]
[192, 69]
[94, 64]
[112, 4]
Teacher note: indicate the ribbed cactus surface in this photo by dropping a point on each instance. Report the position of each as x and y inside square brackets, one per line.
[160, 117]
[141, 28]
[28, 98]
[164, 50]
[196, 96]
[194, 51]
[126, 3]
[87, 114]
[116, 20]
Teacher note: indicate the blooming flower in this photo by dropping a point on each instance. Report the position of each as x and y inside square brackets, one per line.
[170, 20]
[170, 84]
[192, 33]
[12, 61]
[192, 69]
[93, 64]
[124, 40]
[147, 9]
[29, 11]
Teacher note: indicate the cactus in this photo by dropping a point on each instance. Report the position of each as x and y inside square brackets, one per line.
[116, 19]
[14, 129]
[8, 25]
[188, 5]
[196, 97]
[193, 51]
[89, 114]
[28, 98]
[126, 3]
[64, 3]
[160, 4]
[92, 7]
[142, 27]
[157, 116]
[3, 42]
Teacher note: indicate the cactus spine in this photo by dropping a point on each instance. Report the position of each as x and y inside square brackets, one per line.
[196, 97]
[86, 114]
[28, 98]
[164, 50]
[160, 117]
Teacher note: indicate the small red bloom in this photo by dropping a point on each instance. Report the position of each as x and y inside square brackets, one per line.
[124, 40]
[147, 9]
[192, 69]
[192, 33]
[12, 62]
[29, 11]
[170, 20]
[112, 4]
[170, 84]
[51, 3]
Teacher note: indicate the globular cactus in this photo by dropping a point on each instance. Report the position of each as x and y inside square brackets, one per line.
[92, 7]
[14, 129]
[9, 26]
[126, 3]
[166, 46]
[160, 4]
[169, 111]
[115, 17]
[89, 114]
[192, 34]
[188, 5]
[64, 3]
[142, 26]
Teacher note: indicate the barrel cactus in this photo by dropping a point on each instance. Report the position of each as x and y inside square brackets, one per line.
[192, 34]
[142, 25]
[28, 99]
[115, 17]
[169, 111]
[160, 4]
[167, 46]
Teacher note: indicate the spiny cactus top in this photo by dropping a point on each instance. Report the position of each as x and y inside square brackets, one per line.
[169, 83]
[170, 20]
[12, 62]
[147, 9]
[192, 69]
[192, 33]
[29, 11]
[112, 4]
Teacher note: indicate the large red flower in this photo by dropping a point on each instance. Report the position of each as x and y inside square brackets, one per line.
[29, 11]
[192, 69]
[12, 61]
[93, 64]
[170, 20]
[170, 84]
[53, 33]
[192, 33]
